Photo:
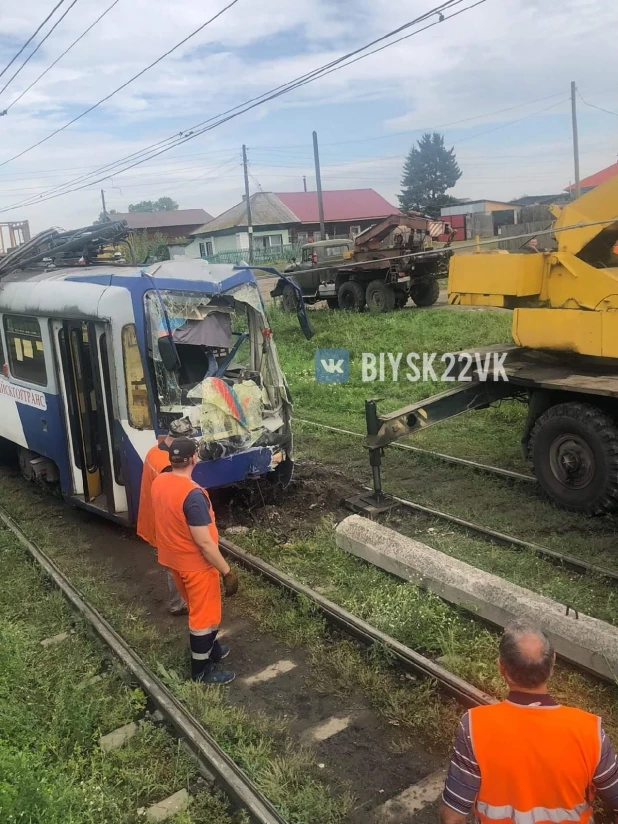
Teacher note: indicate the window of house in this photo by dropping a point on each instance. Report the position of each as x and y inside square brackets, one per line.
[137, 389]
[25, 349]
[209, 249]
[355, 230]
[202, 250]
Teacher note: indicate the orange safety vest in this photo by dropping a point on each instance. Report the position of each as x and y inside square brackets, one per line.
[155, 462]
[176, 547]
[536, 763]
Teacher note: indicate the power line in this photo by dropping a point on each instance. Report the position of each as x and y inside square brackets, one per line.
[195, 131]
[34, 51]
[592, 106]
[124, 85]
[10, 63]
[58, 59]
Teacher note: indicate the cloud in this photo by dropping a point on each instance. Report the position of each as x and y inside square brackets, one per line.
[501, 54]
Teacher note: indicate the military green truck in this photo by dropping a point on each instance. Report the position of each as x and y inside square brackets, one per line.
[371, 271]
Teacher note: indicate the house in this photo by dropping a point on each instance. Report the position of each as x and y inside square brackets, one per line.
[271, 219]
[282, 218]
[347, 212]
[479, 217]
[594, 180]
[176, 223]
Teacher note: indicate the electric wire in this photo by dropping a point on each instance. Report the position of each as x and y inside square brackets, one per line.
[592, 106]
[34, 51]
[31, 38]
[120, 88]
[183, 137]
[59, 58]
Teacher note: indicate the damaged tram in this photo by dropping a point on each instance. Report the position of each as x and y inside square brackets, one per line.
[97, 361]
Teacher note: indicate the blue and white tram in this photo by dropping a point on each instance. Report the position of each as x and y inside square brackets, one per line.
[96, 363]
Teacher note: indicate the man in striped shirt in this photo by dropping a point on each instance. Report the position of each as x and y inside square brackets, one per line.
[529, 760]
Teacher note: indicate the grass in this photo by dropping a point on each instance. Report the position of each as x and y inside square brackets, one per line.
[51, 767]
[417, 618]
[287, 773]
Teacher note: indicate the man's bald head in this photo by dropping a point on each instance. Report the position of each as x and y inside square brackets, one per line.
[526, 655]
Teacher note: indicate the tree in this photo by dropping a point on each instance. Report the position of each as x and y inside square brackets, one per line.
[163, 204]
[102, 219]
[430, 169]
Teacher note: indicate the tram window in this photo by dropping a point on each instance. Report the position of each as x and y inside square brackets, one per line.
[25, 349]
[137, 390]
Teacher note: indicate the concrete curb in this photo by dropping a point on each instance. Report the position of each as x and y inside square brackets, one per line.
[587, 642]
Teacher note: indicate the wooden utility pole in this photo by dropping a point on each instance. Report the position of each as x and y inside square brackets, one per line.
[575, 137]
[318, 181]
[304, 183]
[248, 201]
[105, 215]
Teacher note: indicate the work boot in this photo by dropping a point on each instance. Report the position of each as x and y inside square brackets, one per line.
[219, 652]
[217, 677]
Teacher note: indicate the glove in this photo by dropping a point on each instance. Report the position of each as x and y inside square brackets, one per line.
[230, 583]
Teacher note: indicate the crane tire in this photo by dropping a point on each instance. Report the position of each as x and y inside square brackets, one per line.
[574, 453]
[425, 292]
[351, 296]
[380, 297]
[289, 299]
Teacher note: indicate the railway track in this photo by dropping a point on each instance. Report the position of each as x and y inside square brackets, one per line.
[562, 559]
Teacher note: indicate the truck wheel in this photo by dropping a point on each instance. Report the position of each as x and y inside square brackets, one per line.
[332, 303]
[289, 298]
[425, 292]
[401, 298]
[574, 453]
[351, 296]
[380, 297]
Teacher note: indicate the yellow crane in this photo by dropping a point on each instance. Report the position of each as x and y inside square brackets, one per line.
[564, 361]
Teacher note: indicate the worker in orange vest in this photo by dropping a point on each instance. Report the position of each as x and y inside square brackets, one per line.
[188, 544]
[157, 459]
[528, 759]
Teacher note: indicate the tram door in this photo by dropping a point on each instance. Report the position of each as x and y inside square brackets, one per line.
[86, 387]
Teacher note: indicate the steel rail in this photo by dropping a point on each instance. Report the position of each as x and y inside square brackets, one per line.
[230, 778]
[494, 470]
[456, 687]
[569, 561]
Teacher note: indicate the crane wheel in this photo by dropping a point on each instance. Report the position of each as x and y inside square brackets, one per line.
[401, 298]
[574, 452]
[425, 292]
[380, 297]
[289, 299]
[332, 303]
[351, 296]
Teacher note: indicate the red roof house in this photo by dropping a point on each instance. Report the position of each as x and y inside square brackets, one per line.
[596, 179]
[347, 212]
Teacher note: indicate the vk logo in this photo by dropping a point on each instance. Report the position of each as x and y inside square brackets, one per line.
[332, 365]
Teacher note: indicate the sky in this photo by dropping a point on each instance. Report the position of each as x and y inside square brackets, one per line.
[495, 80]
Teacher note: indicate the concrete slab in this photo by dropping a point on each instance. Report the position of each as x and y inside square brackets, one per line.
[115, 739]
[412, 799]
[586, 641]
[167, 808]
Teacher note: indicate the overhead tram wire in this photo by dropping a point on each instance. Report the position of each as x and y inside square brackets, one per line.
[183, 137]
[31, 38]
[34, 51]
[123, 86]
[59, 58]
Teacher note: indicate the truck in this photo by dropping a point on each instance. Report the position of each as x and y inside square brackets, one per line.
[564, 361]
[380, 269]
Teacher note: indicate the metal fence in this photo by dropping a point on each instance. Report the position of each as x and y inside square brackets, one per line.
[270, 255]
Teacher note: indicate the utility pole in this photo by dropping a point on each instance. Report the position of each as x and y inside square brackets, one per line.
[304, 183]
[105, 215]
[248, 201]
[575, 137]
[318, 181]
